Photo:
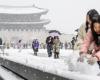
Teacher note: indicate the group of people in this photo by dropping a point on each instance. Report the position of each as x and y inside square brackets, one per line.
[53, 46]
[88, 40]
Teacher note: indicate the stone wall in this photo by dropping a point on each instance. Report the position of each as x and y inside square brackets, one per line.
[29, 73]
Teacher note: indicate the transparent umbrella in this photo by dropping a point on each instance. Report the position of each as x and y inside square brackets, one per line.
[54, 33]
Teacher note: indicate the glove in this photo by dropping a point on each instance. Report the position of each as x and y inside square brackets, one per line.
[80, 59]
[80, 53]
[82, 56]
[92, 60]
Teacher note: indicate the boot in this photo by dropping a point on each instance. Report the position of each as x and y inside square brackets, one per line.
[35, 53]
[55, 56]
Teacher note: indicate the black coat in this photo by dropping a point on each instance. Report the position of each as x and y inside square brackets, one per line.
[0, 41]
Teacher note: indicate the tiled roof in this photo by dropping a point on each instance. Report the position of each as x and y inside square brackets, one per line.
[22, 10]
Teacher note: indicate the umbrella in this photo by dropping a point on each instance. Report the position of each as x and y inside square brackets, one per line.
[54, 33]
[76, 30]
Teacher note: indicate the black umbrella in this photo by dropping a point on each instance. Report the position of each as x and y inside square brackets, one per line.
[76, 30]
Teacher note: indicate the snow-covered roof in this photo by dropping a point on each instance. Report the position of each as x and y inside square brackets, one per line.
[22, 10]
[45, 21]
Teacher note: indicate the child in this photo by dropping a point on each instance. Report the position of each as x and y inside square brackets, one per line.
[93, 36]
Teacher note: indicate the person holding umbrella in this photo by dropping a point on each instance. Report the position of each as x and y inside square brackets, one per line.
[49, 42]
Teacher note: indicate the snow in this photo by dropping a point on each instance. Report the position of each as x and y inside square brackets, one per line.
[67, 66]
[20, 10]
[84, 67]
[6, 75]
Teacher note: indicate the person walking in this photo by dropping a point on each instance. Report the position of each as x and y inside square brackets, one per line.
[49, 42]
[56, 47]
[35, 46]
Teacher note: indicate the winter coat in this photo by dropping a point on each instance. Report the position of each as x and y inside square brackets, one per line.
[87, 42]
[81, 35]
[49, 43]
[0, 41]
[35, 44]
[19, 45]
[56, 45]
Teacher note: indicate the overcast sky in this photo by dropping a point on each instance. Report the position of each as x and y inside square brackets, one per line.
[65, 15]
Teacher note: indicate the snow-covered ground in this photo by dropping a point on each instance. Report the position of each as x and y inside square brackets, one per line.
[6, 75]
[67, 66]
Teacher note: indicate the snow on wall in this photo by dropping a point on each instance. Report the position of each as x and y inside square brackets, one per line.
[55, 66]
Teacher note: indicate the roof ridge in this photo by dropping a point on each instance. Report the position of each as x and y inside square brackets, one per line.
[8, 6]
